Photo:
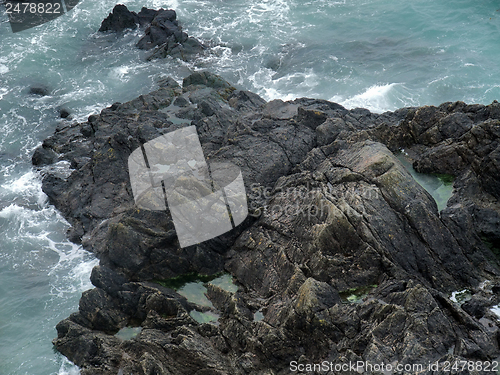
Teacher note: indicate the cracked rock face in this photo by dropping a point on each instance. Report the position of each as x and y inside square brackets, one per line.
[344, 257]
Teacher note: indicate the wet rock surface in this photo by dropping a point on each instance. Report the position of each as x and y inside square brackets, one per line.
[120, 19]
[333, 213]
[163, 34]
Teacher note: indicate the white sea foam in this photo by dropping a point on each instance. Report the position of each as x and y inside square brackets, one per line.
[68, 368]
[172, 4]
[375, 98]
[81, 273]
[26, 182]
[276, 9]
[461, 296]
[33, 235]
[492, 88]
[3, 91]
[120, 72]
[27, 185]
[271, 88]
[496, 310]
[12, 211]
[127, 71]
[71, 274]
[61, 169]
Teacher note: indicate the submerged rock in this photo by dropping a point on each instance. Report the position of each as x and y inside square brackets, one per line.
[64, 113]
[40, 90]
[332, 210]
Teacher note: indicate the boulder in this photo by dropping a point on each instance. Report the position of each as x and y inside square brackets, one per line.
[43, 156]
[119, 20]
[166, 36]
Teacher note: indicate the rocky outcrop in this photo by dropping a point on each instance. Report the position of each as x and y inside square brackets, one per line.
[168, 39]
[121, 19]
[343, 254]
[163, 32]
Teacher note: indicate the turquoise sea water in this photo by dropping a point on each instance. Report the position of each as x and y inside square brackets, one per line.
[377, 54]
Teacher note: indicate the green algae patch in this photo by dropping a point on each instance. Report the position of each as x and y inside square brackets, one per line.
[446, 179]
[356, 295]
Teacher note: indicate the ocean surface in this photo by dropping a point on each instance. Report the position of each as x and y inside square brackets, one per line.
[377, 54]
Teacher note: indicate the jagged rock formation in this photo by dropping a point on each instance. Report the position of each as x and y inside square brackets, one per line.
[332, 211]
[121, 19]
[163, 32]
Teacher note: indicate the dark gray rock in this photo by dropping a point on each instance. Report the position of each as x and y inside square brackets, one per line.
[245, 100]
[40, 90]
[146, 16]
[108, 280]
[119, 20]
[345, 256]
[181, 102]
[204, 79]
[162, 32]
[43, 156]
[166, 36]
[476, 307]
[97, 307]
[328, 131]
[279, 110]
[168, 82]
[64, 113]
